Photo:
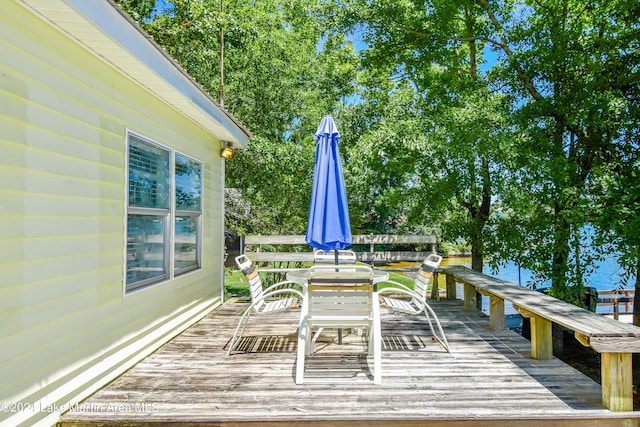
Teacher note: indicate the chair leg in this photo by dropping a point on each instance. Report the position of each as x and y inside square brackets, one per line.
[442, 339]
[303, 338]
[311, 343]
[375, 334]
[239, 329]
[301, 354]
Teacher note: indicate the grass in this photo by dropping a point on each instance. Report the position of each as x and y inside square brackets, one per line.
[234, 283]
[407, 281]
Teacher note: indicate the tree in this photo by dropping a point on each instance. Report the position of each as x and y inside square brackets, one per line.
[434, 47]
[563, 67]
[282, 73]
[518, 155]
[556, 62]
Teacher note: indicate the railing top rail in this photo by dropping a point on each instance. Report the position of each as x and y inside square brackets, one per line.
[256, 239]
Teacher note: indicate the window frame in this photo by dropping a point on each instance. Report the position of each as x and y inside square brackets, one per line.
[169, 217]
[182, 212]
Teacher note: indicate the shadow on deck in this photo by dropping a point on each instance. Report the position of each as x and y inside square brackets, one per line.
[488, 379]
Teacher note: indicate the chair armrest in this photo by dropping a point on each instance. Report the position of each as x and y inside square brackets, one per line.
[401, 287]
[278, 286]
[283, 291]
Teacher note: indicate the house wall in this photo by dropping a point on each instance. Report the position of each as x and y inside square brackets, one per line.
[66, 326]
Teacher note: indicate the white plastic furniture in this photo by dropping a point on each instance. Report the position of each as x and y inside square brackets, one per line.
[416, 301]
[339, 297]
[329, 257]
[262, 301]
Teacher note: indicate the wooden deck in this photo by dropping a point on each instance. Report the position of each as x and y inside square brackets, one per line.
[488, 379]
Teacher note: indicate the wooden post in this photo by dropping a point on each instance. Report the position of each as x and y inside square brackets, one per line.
[371, 247]
[451, 287]
[435, 289]
[470, 298]
[541, 338]
[617, 384]
[496, 313]
[496, 310]
[541, 335]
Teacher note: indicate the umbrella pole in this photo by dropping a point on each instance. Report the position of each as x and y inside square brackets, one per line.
[335, 251]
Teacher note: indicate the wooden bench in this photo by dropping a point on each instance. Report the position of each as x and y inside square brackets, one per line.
[616, 341]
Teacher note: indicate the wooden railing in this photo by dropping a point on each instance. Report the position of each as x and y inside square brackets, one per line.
[616, 299]
[614, 340]
[299, 251]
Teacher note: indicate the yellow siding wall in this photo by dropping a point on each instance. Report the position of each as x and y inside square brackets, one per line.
[66, 326]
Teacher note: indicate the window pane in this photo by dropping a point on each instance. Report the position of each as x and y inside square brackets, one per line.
[148, 175]
[188, 184]
[145, 247]
[186, 244]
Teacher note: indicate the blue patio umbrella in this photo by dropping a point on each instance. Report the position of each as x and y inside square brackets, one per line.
[328, 228]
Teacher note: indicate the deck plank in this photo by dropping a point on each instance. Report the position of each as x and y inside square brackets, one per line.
[487, 379]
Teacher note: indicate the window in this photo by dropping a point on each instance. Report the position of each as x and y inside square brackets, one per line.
[164, 210]
[188, 212]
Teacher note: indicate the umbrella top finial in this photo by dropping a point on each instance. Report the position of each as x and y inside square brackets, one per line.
[327, 127]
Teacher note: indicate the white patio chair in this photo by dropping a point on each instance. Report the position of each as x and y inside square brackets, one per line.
[339, 297]
[329, 257]
[416, 301]
[262, 301]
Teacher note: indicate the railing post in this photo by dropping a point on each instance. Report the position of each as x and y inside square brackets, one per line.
[371, 247]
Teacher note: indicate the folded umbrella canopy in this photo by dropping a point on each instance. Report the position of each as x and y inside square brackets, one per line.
[328, 227]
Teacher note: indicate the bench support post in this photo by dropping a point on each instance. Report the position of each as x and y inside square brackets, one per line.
[470, 298]
[451, 287]
[541, 335]
[435, 288]
[496, 310]
[496, 313]
[617, 384]
[541, 338]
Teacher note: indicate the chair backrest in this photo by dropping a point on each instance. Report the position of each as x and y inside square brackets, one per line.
[250, 272]
[329, 257]
[424, 274]
[340, 293]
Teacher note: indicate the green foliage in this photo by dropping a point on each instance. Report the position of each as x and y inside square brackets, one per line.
[512, 149]
[282, 72]
[569, 111]
[510, 125]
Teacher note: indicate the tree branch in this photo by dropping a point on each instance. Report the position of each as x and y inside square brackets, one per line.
[458, 39]
[524, 77]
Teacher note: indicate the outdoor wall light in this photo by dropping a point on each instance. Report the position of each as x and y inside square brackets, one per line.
[227, 152]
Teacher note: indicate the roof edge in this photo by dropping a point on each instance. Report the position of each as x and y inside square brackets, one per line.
[172, 61]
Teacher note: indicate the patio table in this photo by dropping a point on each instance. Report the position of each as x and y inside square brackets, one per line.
[301, 275]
